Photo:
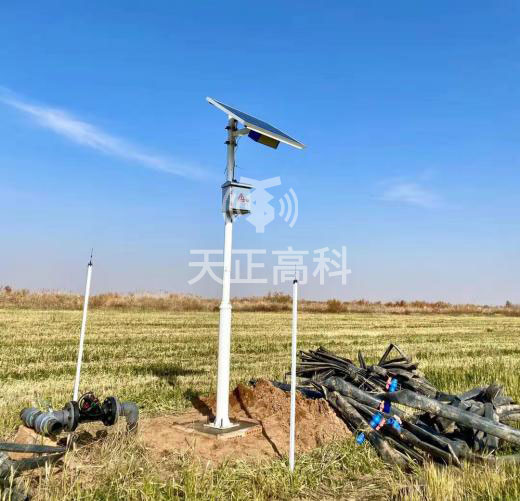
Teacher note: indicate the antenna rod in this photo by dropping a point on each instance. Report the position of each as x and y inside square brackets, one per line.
[83, 328]
[292, 425]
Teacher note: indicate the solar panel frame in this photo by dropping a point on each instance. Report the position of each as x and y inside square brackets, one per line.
[256, 124]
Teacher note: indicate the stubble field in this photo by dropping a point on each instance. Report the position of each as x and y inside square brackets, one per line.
[161, 360]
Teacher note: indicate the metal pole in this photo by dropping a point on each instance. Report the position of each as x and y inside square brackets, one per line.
[224, 337]
[82, 335]
[292, 426]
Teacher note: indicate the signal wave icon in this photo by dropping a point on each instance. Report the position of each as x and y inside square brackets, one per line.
[289, 207]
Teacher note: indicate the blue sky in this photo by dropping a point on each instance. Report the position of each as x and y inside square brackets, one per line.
[409, 110]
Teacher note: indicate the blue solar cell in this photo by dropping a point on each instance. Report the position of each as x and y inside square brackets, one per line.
[256, 124]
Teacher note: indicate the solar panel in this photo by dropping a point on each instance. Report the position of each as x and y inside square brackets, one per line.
[255, 124]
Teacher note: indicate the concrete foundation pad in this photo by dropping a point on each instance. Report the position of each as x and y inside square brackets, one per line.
[241, 429]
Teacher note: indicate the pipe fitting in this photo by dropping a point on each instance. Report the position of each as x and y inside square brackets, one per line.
[44, 423]
[131, 413]
[89, 409]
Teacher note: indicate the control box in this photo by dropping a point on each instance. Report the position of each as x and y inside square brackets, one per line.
[236, 198]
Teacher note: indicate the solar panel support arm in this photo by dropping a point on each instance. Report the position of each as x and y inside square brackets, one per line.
[241, 132]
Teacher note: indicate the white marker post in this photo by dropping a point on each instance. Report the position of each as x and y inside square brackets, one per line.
[292, 426]
[82, 335]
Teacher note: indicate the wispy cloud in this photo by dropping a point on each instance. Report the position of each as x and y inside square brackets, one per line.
[63, 123]
[412, 194]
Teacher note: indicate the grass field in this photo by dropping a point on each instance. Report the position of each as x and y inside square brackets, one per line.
[161, 359]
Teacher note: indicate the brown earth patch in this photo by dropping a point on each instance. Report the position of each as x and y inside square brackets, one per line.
[27, 436]
[316, 424]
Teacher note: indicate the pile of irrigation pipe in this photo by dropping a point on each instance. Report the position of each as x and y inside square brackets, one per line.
[392, 406]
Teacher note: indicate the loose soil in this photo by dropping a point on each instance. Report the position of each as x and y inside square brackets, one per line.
[316, 424]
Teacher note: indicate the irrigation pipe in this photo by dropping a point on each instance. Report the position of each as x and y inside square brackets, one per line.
[420, 402]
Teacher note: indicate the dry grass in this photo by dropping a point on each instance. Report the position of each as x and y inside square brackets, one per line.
[160, 359]
[273, 302]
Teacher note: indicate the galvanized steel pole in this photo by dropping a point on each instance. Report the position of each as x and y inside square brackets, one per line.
[224, 338]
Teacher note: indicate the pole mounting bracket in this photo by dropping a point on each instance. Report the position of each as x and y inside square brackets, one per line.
[241, 132]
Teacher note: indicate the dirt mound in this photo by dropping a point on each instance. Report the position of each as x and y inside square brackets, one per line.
[316, 424]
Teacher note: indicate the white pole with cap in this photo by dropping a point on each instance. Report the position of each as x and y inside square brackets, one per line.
[83, 329]
[224, 336]
[292, 426]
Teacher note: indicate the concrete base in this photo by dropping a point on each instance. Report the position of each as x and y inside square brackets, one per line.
[241, 429]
